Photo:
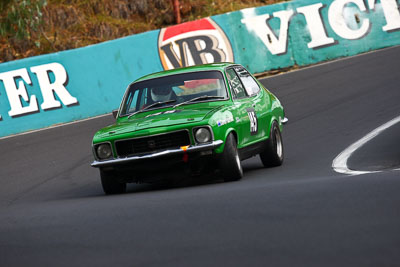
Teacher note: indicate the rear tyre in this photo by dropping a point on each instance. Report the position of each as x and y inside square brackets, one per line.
[110, 183]
[231, 168]
[272, 155]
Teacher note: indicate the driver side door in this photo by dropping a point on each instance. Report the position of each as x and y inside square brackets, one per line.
[246, 121]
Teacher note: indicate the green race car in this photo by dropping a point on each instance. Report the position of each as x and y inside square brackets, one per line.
[189, 121]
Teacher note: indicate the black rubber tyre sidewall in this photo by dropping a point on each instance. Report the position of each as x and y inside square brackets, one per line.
[231, 168]
[110, 183]
[269, 156]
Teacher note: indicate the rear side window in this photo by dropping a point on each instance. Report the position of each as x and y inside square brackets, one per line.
[236, 86]
[250, 85]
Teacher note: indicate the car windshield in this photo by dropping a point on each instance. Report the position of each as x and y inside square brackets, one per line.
[174, 90]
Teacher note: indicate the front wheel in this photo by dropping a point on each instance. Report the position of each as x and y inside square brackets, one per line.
[231, 168]
[110, 183]
[272, 155]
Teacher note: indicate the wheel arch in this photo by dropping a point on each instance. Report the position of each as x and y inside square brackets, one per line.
[277, 114]
[227, 133]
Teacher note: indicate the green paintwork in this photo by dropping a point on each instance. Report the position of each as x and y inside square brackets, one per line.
[223, 116]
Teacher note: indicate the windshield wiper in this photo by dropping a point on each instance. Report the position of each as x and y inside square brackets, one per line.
[203, 97]
[151, 106]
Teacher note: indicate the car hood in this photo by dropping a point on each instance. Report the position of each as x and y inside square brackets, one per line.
[157, 118]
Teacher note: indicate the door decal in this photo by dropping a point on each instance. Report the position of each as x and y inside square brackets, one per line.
[253, 121]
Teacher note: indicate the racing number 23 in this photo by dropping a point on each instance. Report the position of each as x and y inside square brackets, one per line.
[253, 121]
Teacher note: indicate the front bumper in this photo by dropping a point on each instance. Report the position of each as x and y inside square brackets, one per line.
[170, 152]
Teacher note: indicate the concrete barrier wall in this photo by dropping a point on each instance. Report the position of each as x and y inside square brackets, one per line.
[306, 32]
[74, 84]
[57, 88]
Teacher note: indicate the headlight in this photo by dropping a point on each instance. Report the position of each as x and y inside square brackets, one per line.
[104, 151]
[202, 135]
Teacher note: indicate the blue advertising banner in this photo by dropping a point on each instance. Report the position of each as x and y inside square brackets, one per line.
[72, 85]
[305, 32]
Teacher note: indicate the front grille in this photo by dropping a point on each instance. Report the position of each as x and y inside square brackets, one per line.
[152, 143]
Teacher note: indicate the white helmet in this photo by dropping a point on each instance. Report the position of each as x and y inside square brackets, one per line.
[161, 94]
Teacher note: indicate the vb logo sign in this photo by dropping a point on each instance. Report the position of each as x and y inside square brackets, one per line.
[193, 43]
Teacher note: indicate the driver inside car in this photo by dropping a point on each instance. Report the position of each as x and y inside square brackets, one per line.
[162, 94]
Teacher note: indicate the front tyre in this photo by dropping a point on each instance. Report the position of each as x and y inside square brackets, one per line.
[110, 183]
[272, 155]
[230, 166]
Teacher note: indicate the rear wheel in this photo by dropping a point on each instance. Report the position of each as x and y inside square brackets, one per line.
[231, 168]
[272, 155]
[110, 183]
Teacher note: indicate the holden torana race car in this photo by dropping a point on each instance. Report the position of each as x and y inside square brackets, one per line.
[189, 121]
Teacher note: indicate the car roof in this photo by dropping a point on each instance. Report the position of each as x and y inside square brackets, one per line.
[205, 67]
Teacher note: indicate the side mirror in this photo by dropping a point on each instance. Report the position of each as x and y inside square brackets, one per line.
[115, 113]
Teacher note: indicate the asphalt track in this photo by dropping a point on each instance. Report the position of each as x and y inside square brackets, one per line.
[53, 211]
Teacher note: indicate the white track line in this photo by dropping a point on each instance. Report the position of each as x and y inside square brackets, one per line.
[339, 164]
